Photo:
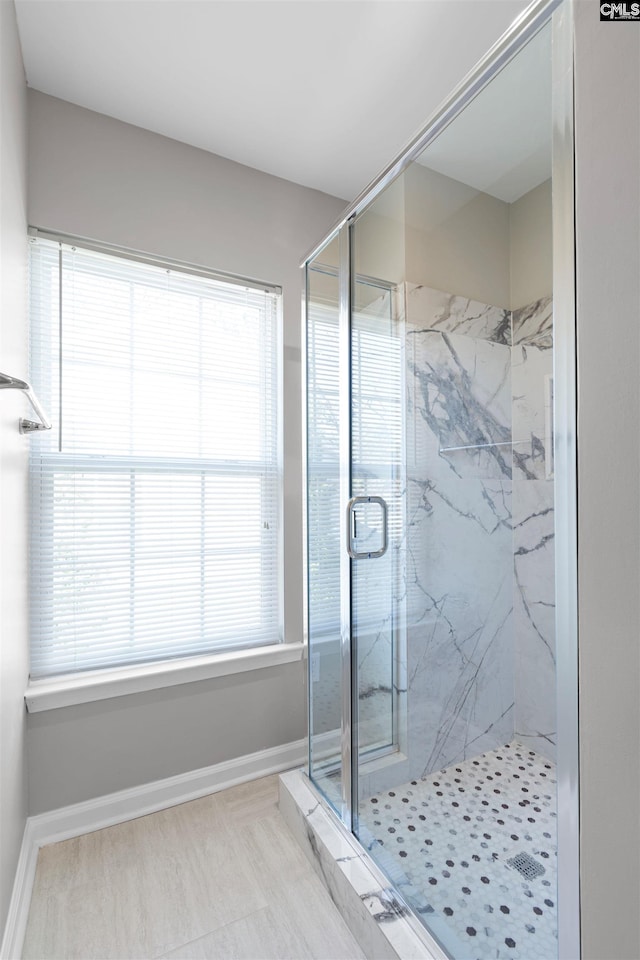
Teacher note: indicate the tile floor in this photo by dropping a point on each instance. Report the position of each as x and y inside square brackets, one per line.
[219, 877]
[446, 841]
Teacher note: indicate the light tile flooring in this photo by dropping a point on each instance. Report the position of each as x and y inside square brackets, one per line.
[447, 839]
[219, 877]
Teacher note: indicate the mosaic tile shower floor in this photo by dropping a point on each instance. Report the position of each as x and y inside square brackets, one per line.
[446, 841]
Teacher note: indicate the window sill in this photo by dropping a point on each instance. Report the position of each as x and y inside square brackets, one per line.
[104, 684]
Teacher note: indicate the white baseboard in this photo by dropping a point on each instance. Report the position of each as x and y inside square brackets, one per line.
[16, 925]
[79, 818]
[105, 811]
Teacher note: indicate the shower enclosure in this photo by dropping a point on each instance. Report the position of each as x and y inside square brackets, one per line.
[441, 509]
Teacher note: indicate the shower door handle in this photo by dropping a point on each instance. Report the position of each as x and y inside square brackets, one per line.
[351, 529]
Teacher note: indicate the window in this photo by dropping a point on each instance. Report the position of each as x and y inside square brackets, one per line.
[156, 496]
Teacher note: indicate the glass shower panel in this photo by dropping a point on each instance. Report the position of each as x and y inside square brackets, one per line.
[456, 436]
[323, 524]
[377, 385]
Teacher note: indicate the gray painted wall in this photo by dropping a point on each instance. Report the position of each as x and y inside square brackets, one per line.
[531, 250]
[96, 177]
[96, 748]
[427, 228]
[608, 254]
[13, 447]
[457, 237]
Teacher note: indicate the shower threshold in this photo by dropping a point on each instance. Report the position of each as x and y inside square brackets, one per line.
[470, 849]
[378, 918]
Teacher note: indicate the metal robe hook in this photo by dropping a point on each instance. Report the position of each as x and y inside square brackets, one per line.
[26, 426]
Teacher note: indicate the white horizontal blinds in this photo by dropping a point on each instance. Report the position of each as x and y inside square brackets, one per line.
[323, 470]
[155, 529]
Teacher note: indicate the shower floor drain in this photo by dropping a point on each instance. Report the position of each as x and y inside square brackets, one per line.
[528, 866]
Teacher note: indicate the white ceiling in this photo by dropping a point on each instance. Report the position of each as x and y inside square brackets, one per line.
[321, 92]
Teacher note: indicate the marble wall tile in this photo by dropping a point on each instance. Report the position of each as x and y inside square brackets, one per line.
[460, 687]
[460, 400]
[460, 682]
[531, 373]
[533, 527]
[430, 309]
[479, 594]
[374, 595]
[534, 615]
[533, 324]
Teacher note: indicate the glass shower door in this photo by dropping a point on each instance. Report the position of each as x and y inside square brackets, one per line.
[452, 525]
[375, 509]
[375, 475]
[328, 687]
[433, 321]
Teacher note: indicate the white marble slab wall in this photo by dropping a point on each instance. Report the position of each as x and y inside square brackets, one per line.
[533, 527]
[460, 639]
[480, 571]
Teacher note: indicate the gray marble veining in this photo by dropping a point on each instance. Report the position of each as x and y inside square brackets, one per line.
[531, 373]
[460, 667]
[461, 397]
[430, 309]
[459, 550]
[533, 324]
[478, 603]
[533, 527]
[534, 612]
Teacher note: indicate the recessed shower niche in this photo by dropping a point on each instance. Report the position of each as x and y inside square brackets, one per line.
[440, 489]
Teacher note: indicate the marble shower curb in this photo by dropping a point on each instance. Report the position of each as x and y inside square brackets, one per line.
[380, 922]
